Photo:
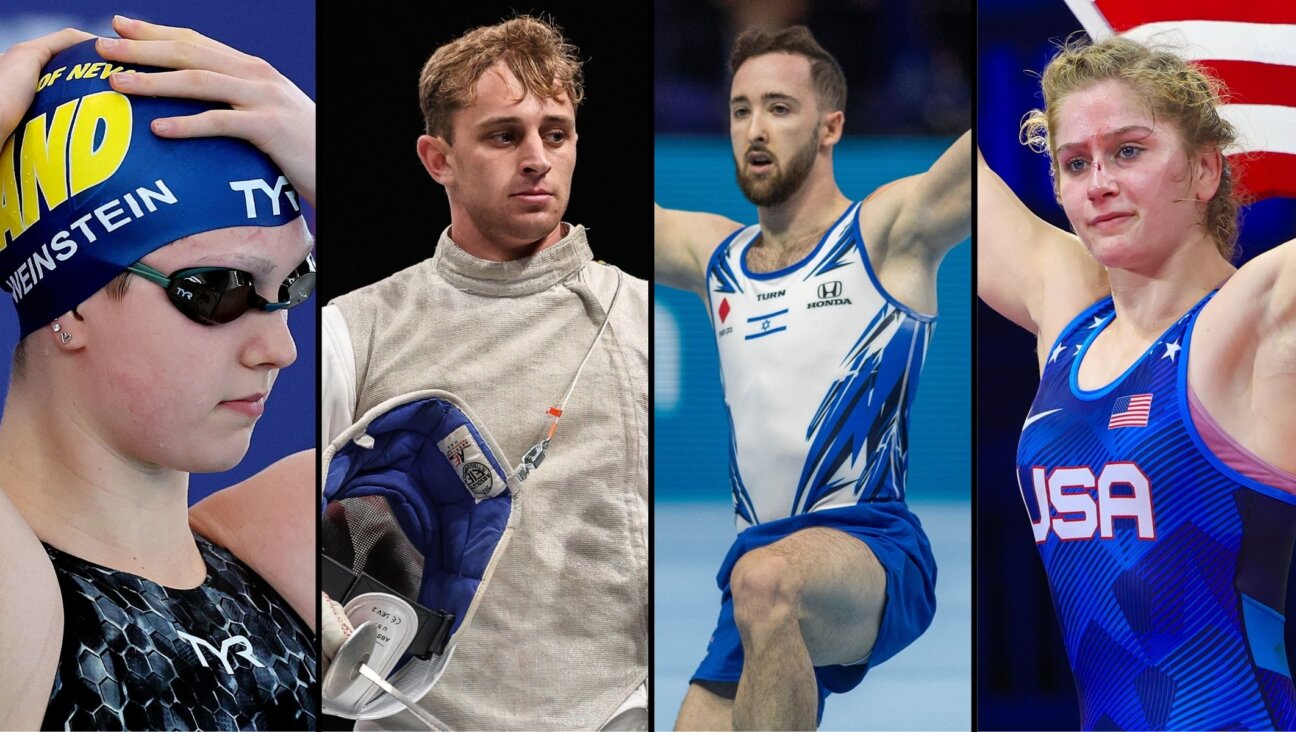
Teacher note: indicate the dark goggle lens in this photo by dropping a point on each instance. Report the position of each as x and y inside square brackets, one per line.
[299, 285]
[212, 296]
[215, 296]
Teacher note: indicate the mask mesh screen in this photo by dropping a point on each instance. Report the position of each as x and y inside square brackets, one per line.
[363, 534]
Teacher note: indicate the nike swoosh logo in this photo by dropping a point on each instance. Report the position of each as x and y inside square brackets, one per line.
[1036, 417]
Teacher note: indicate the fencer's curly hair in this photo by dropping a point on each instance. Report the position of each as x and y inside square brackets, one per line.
[534, 50]
[829, 81]
[1177, 90]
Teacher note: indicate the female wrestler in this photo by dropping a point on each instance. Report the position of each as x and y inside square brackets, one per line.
[1155, 463]
[150, 282]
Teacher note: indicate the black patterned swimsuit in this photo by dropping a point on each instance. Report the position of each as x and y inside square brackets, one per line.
[229, 654]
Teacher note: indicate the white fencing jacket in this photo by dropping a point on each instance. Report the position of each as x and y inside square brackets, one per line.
[559, 640]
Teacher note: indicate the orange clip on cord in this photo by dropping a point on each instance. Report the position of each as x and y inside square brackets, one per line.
[535, 455]
[555, 412]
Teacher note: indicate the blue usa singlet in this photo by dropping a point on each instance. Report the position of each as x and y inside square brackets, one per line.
[1168, 568]
[819, 366]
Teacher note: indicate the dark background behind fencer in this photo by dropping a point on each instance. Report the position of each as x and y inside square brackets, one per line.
[388, 213]
[1024, 681]
[283, 33]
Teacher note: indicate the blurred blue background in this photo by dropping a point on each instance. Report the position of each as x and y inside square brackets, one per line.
[928, 685]
[1024, 681]
[283, 33]
[908, 65]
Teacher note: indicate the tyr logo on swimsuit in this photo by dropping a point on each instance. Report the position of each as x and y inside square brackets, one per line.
[223, 653]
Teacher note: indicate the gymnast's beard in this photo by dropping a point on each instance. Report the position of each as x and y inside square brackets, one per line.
[777, 186]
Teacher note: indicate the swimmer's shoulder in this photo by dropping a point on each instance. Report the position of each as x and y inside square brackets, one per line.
[268, 521]
[31, 622]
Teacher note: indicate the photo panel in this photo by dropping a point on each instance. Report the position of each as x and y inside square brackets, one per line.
[158, 366]
[1149, 586]
[780, 396]
[485, 363]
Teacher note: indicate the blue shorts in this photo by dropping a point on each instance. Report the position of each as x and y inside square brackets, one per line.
[896, 537]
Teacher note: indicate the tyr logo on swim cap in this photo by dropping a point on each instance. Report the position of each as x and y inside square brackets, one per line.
[87, 189]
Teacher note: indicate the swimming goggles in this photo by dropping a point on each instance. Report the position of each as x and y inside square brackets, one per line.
[218, 295]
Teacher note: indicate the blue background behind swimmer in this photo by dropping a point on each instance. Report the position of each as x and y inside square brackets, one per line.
[926, 686]
[691, 432]
[283, 33]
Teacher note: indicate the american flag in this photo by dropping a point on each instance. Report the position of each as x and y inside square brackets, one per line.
[1130, 411]
[1250, 45]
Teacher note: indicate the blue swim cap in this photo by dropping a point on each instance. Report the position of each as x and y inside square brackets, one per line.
[87, 189]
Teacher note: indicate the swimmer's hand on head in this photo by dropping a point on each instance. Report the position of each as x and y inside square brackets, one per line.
[269, 111]
[20, 68]
[31, 609]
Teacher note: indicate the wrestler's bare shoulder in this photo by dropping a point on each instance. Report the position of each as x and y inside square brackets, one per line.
[1260, 290]
[1244, 342]
[1243, 356]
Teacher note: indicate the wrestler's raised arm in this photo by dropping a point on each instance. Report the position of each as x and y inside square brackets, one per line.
[1280, 311]
[1244, 355]
[1028, 270]
[683, 242]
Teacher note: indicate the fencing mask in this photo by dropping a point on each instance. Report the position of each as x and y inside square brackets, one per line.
[417, 509]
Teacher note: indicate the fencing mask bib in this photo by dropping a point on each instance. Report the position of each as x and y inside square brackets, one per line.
[417, 510]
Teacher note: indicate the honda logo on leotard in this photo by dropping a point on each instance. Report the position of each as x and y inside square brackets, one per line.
[223, 654]
[829, 294]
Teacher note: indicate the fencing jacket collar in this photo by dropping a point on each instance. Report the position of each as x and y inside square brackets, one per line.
[519, 277]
